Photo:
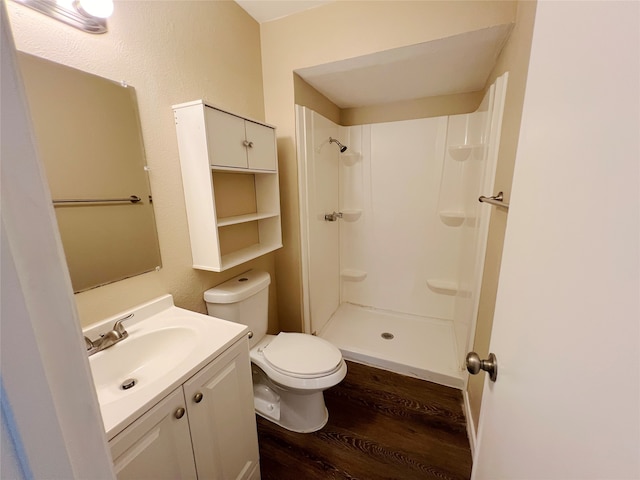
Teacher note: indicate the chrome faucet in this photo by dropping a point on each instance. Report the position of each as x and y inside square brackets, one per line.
[109, 338]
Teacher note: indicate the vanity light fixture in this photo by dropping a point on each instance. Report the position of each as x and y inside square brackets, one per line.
[86, 15]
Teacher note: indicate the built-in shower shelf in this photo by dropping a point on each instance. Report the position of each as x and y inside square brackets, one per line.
[445, 287]
[353, 275]
[350, 159]
[463, 152]
[452, 218]
[351, 214]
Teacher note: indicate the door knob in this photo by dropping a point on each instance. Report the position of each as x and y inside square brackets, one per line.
[490, 365]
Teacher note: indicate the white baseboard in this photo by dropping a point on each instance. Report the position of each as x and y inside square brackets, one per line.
[471, 431]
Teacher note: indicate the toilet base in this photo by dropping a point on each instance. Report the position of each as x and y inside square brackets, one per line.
[296, 410]
[294, 428]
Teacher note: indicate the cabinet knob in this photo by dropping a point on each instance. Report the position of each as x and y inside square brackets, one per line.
[179, 413]
[197, 397]
[250, 145]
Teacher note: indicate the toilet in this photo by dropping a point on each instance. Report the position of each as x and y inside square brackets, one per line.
[290, 370]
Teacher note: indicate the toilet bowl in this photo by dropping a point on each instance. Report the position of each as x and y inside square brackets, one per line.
[290, 371]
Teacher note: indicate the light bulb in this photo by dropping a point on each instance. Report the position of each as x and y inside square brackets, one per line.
[66, 4]
[97, 8]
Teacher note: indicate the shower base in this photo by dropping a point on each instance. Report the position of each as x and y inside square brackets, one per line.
[421, 347]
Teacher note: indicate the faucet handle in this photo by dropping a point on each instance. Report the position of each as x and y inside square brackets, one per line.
[119, 327]
[88, 343]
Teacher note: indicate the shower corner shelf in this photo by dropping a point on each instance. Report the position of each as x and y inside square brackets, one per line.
[445, 287]
[462, 152]
[350, 159]
[353, 274]
[452, 218]
[351, 214]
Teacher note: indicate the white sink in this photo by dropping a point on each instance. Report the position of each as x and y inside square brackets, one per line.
[139, 360]
[166, 345]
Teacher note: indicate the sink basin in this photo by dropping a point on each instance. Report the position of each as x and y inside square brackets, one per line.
[166, 345]
[139, 360]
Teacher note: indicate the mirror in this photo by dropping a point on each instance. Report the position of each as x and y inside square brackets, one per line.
[88, 136]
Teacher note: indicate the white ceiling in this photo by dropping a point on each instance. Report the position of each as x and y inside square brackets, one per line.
[267, 10]
[457, 64]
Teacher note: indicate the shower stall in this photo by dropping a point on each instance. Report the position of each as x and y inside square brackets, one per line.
[393, 236]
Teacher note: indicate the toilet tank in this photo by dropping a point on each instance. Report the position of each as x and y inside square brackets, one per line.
[242, 299]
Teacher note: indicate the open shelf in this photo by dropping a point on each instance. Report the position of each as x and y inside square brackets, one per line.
[250, 217]
[240, 256]
[218, 168]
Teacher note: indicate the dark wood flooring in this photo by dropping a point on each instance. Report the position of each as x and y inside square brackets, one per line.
[381, 426]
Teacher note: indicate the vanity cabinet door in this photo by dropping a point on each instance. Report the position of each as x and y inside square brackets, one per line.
[157, 445]
[222, 418]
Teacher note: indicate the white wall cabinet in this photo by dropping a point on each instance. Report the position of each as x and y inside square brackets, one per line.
[236, 142]
[216, 147]
[205, 429]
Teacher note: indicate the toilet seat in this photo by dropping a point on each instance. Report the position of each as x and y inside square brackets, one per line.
[295, 381]
[302, 356]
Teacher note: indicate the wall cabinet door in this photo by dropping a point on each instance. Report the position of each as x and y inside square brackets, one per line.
[225, 139]
[222, 418]
[261, 150]
[157, 445]
[235, 142]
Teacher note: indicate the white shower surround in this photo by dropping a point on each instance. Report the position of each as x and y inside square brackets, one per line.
[407, 256]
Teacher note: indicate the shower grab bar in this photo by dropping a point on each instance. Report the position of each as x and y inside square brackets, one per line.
[131, 199]
[496, 200]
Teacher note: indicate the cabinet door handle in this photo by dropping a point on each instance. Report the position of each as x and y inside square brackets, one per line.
[247, 143]
[179, 413]
[197, 397]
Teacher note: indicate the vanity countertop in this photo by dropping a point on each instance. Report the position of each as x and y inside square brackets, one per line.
[166, 345]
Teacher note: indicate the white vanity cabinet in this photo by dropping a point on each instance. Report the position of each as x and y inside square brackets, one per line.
[222, 418]
[230, 180]
[157, 445]
[205, 429]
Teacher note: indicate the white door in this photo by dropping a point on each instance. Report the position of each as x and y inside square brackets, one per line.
[566, 403]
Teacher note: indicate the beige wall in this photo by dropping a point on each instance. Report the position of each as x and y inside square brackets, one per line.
[307, 96]
[329, 33]
[412, 109]
[171, 52]
[515, 60]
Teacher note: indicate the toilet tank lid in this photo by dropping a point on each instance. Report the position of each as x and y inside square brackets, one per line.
[238, 288]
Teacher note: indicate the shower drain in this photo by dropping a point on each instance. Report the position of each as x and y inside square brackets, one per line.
[387, 336]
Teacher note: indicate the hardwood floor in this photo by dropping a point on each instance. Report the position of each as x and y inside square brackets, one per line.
[381, 426]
